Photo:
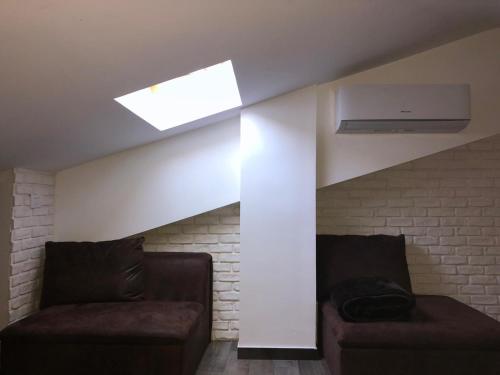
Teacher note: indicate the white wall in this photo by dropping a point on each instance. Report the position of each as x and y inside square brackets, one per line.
[278, 216]
[149, 186]
[474, 60]
[6, 203]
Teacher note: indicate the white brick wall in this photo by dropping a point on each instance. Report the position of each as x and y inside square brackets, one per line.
[215, 232]
[32, 226]
[448, 207]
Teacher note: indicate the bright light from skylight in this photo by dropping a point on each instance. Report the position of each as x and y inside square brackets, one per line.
[184, 99]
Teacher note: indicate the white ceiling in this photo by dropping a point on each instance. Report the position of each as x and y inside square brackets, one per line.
[62, 62]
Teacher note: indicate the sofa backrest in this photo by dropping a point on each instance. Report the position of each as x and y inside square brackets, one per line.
[340, 258]
[178, 276]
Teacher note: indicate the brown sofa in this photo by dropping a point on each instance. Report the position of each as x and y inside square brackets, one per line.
[443, 336]
[165, 332]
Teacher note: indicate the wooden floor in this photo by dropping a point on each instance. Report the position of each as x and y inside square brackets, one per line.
[221, 359]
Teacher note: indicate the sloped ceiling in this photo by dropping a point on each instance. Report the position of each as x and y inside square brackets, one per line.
[63, 62]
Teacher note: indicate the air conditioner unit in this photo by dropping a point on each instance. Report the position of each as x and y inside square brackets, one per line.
[402, 108]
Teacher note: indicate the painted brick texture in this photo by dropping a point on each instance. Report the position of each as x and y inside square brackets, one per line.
[32, 226]
[217, 233]
[448, 207]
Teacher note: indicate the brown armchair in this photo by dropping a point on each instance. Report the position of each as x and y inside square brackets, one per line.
[444, 336]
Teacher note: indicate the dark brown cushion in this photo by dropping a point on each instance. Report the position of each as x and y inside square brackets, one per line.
[439, 323]
[346, 257]
[142, 322]
[82, 272]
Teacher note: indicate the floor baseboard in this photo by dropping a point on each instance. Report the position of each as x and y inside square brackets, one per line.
[278, 353]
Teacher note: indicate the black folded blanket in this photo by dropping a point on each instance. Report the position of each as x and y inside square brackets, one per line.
[371, 299]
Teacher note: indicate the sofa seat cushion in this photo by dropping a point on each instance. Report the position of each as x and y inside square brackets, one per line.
[142, 322]
[438, 323]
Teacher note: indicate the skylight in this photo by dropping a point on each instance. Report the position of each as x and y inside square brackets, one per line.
[187, 98]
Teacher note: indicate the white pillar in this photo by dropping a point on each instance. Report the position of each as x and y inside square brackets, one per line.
[278, 223]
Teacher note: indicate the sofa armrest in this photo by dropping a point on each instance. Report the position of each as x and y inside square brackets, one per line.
[176, 276]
